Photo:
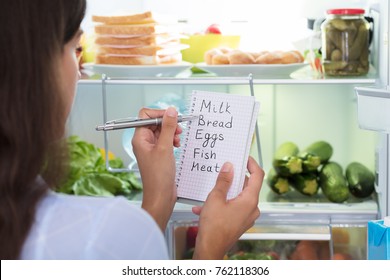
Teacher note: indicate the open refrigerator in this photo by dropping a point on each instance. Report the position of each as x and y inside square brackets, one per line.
[342, 111]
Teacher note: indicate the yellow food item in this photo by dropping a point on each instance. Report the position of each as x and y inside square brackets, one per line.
[103, 153]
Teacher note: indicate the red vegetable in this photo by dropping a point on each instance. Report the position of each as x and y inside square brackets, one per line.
[213, 29]
[192, 232]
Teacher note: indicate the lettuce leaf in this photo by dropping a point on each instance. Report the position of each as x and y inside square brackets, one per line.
[88, 175]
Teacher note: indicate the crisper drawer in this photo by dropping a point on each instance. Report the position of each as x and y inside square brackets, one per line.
[280, 242]
[373, 108]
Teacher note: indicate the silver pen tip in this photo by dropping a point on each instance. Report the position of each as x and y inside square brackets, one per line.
[191, 117]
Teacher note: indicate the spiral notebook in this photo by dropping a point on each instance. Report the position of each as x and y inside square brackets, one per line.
[223, 132]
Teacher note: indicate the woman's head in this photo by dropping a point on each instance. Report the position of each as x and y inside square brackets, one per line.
[37, 83]
[33, 35]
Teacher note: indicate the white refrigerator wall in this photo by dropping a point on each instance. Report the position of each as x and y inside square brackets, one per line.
[299, 113]
[262, 24]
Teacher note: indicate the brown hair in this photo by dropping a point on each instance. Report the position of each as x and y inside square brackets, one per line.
[32, 108]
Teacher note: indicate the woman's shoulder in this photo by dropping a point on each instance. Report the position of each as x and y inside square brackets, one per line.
[93, 206]
[115, 211]
[97, 228]
[79, 203]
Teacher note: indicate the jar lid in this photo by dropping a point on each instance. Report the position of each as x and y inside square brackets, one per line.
[345, 11]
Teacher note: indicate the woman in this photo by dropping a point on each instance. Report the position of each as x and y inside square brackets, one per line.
[38, 77]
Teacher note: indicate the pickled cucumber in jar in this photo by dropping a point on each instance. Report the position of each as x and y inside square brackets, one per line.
[345, 43]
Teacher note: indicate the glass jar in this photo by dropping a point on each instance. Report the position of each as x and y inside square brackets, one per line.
[345, 43]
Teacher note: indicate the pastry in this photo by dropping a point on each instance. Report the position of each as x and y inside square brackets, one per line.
[220, 59]
[228, 56]
[240, 57]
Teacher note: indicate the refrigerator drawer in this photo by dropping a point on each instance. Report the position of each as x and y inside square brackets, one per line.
[373, 109]
[277, 241]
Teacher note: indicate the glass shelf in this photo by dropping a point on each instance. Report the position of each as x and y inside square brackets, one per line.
[302, 76]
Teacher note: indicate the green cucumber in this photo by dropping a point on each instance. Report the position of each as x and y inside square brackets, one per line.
[305, 183]
[314, 155]
[361, 181]
[277, 183]
[333, 182]
[286, 161]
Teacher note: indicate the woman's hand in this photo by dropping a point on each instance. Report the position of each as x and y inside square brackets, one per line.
[153, 148]
[221, 221]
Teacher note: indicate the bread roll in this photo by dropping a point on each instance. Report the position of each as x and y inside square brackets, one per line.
[218, 56]
[290, 57]
[257, 54]
[218, 59]
[299, 55]
[240, 57]
[225, 50]
[208, 55]
[270, 58]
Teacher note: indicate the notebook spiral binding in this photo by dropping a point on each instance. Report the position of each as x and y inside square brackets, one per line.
[184, 149]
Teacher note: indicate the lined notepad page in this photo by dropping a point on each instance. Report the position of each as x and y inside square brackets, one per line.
[223, 132]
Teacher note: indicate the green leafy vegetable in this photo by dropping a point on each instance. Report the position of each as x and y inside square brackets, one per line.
[88, 175]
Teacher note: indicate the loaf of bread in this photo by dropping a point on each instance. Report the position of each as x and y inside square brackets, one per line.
[137, 39]
[143, 50]
[145, 40]
[217, 56]
[137, 59]
[133, 29]
[160, 50]
[146, 17]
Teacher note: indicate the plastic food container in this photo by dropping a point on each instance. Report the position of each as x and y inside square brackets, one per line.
[345, 43]
[199, 44]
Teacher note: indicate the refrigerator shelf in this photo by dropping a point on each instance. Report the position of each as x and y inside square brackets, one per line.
[298, 213]
[198, 79]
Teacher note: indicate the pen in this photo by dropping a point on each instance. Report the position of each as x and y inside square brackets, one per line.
[118, 124]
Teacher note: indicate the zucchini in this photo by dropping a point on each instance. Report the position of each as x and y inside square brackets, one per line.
[286, 161]
[333, 182]
[314, 155]
[361, 181]
[277, 183]
[305, 183]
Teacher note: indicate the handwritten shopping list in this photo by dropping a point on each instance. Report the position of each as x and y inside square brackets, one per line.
[222, 132]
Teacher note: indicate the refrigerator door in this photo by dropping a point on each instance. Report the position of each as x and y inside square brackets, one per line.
[374, 103]
[374, 114]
